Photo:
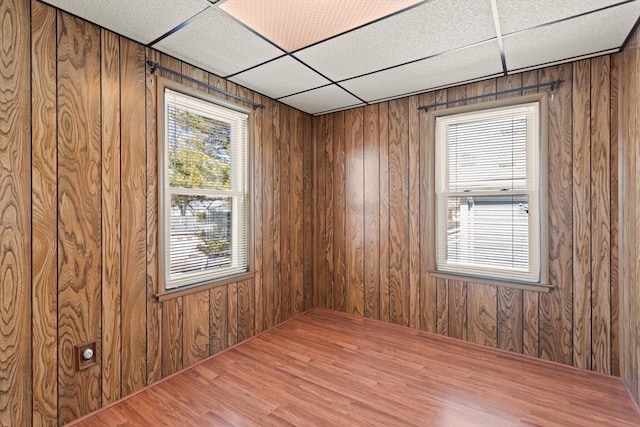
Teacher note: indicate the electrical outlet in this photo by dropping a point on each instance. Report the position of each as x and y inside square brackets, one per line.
[86, 355]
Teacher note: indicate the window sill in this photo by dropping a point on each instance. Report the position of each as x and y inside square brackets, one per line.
[533, 287]
[200, 287]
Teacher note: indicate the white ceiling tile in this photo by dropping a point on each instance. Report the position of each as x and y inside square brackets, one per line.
[571, 38]
[519, 15]
[321, 100]
[140, 20]
[217, 43]
[442, 70]
[281, 77]
[434, 27]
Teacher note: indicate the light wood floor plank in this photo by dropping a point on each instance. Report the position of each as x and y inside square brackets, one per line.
[329, 368]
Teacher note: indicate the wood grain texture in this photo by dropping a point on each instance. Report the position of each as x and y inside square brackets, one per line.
[285, 213]
[268, 221]
[482, 316]
[245, 303]
[308, 211]
[172, 319]
[218, 305]
[383, 126]
[339, 208]
[195, 332]
[555, 309]
[629, 184]
[232, 314]
[531, 323]
[442, 306]
[414, 212]
[354, 210]
[79, 207]
[133, 206]
[276, 295]
[457, 309]
[615, 215]
[601, 214]
[111, 238]
[398, 215]
[296, 219]
[44, 219]
[319, 202]
[15, 226]
[582, 213]
[154, 308]
[256, 383]
[510, 319]
[327, 244]
[371, 154]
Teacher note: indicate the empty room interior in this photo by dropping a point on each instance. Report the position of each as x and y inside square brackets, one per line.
[320, 212]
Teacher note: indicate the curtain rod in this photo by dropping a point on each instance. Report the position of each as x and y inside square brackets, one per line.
[553, 85]
[155, 66]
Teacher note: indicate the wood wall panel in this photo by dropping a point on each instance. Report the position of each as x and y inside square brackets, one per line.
[629, 212]
[581, 213]
[91, 176]
[383, 126]
[371, 154]
[111, 223]
[15, 227]
[276, 295]
[398, 218]
[601, 215]
[482, 314]
[555, 309]
[44, 220]
[615, 216]
[154, 308]
[354, 209]
[79, 207]
[339, 222]
[319, 217]
[510, 319]
[413, 212]
[554, 325]
[285, 205]
[428, 284]
[133, 207]
[218, 319]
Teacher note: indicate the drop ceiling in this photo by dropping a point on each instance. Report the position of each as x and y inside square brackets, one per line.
[326, 55]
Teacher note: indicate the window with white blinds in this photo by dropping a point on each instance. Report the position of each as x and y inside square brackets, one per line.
[204, 191]
[488, 199]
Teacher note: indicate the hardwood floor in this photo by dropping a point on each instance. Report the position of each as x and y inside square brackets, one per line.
[330, 368]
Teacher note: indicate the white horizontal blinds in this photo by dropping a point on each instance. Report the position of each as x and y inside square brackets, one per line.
[205, 185]
[487, 193]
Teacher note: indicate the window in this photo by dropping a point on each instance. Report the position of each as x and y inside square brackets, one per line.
[203, 190]
[488, 194]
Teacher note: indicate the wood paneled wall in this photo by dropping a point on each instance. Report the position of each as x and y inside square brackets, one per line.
[629, 132]
[372, 181]
[78, 178]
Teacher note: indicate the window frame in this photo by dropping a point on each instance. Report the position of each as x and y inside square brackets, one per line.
[164, 292]
[543, 281]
